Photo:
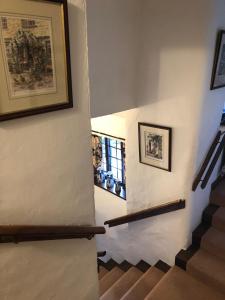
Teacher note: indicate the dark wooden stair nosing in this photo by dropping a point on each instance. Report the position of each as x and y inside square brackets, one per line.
[208, 214]
[125, 266]
[109, 265]
[143, 266]
[162, 266]
[184, 256]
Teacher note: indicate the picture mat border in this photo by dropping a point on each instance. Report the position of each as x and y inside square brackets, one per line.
[58, 106]
[169, 129]
[216, 60]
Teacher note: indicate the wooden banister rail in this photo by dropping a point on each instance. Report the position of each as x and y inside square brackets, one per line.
[147, 213]
[25, 233]
[208, 157]
[213, 163]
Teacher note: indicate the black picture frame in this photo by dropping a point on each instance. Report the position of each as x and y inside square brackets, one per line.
[168, 130]
[58, 106]
[217, 61]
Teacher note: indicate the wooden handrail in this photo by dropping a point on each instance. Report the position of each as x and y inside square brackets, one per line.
[206, 161]
[213, 163]
[25, 233]
[147, 213]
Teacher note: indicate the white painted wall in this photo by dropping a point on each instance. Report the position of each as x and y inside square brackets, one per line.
[112, 31]
[177, 40]
[46, 178]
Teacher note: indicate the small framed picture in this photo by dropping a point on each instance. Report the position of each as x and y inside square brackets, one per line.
[155, 145]
[218, 74]
[34, 58]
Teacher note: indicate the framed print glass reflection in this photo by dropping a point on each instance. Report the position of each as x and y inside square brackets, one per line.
[34, 58]
[155, 145]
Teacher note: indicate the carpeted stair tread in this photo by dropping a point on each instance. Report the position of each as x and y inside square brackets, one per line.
[109, 279]
[218, 220]
[144, 285]
[102, 272]
[218, 195]
[209, 269]
[214, 242]
[121, 286]
[179, 285]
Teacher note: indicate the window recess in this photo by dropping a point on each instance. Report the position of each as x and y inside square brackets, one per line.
[109, 163]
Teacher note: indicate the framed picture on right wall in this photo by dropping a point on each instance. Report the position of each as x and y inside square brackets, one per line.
[155, 145]
[218, 74]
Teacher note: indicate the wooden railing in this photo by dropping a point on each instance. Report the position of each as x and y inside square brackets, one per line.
[207, 168]
[147, 213]
[17, 234]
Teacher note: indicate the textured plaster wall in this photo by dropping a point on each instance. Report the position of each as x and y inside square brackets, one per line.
[112, 32]
[176, 49]
[212, 104]
[46, 178]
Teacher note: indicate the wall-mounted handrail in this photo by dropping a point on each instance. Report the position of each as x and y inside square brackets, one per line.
[147, 213]
[213, 163]
[208, 157]
[25, 233]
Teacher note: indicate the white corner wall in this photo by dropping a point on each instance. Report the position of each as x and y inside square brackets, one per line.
[46, 178]
[176, 50]
[112, 31]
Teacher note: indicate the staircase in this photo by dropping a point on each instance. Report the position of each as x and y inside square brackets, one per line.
[199, 273]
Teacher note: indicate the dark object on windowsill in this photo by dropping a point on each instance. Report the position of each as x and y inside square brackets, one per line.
[112, 190]
[118, 187]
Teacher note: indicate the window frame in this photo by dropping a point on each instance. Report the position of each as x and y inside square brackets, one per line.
[107, 157]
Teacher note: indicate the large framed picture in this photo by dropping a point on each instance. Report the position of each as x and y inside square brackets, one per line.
[218, 74]
[155, 145]
[35, 72]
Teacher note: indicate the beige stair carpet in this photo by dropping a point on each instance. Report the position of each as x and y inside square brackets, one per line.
[218, 220]
[214, 242]
[122, 285]
[179, 285]
[218, 195]
[102, 272]
[209, 269]
[109, 279]
[144, 285]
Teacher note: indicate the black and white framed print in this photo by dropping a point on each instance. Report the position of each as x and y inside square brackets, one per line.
[35, 64]
[218, 74]
[155, 145]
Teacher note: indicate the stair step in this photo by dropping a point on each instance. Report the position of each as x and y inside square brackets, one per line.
[218, 220]
[209, 213]
[109, 279]
[102, 272]
[179, 285]
[213, 241]
[218, 195]
[209, 269]
[109, 265]
[184, 256]
[121, 286]
[125, 266]
[144, 285]
[143, 266]
[162, 266]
